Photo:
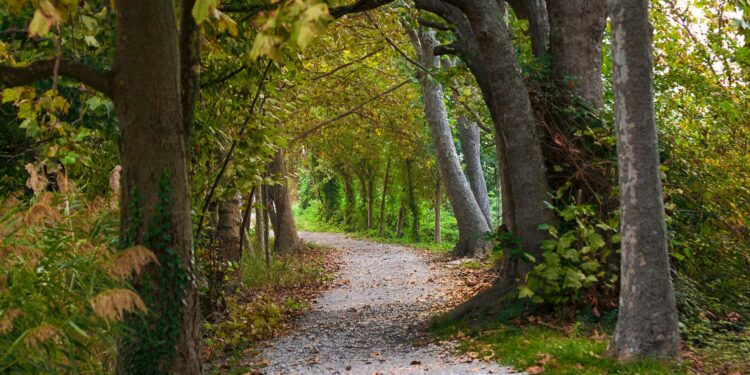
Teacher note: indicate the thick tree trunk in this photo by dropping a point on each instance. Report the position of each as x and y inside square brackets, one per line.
[382, 199]
[229, 229]
[577, 29]
[647, 320]
[516, 125]
[468, 133]
[155, 204]
[472, 224]
[438, 205]
[535, 11]
[284, 225]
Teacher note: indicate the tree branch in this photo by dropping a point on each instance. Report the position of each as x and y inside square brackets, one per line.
[328, 73]
[42, 69]
[434, 24]
[445, 49]
[357, 7]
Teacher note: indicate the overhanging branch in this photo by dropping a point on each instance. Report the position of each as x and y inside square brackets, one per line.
[38, 70]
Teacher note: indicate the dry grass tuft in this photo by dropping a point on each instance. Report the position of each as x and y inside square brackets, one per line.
[114, 303]
[6, 321]
[24, 254]
[129, 261]
[42, 334]
[37, 182]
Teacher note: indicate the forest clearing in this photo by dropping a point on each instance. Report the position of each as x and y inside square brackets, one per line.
[375, 187]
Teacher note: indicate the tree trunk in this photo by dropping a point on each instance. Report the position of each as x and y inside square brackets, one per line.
[516, 125]
[260, 214]
[245, 229]
[412, 203]
[400, 221]
[155, 204]
[468, 133]
[349, 200]
[577, 29]
[229, 228]
[382, 199]
[370, 200]
[467, 48]
[535, 11]
[647, 320]
[438, 205]
[472, 224]
[284, 225]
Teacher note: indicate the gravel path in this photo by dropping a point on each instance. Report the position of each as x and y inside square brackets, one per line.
[369, 321]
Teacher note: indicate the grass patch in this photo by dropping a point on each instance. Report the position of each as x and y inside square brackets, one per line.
[286, 270]
[510, 339]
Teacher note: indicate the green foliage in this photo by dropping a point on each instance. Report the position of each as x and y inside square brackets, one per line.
[63, 291]
[576, 263]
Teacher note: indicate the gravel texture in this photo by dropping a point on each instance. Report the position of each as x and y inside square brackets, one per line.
[372, 319]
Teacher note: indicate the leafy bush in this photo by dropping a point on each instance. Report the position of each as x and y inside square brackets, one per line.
[576, 263]
[63, 287]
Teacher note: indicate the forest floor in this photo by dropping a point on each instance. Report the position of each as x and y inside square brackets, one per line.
[373, 320]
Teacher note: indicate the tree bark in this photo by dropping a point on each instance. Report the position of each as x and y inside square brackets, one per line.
[472, 224]
[535, 11]
[577, 29]
[516, 125]
[245, 229]
[260, 214]
[647, 323]
[382, 199]
[468, 133]
[229, 229]
[284, 225]
[349, 200]
[155, 204]
[400, 220]
[370, 199]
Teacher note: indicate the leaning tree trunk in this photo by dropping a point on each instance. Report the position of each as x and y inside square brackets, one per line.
[472, 224]
[467, 48]
[155, 204]
[516, 125]
[468, 133]
[284, 225]
[647, 320]
[228, 233]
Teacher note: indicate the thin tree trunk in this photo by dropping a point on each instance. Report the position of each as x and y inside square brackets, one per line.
[260, 229]
[284, 225]
[349, 200]
[412, 203]
[472, 224]
[438, 205]
[382, 199]
[155, 204]
[647, 324]
[468, 133]
[400, 220]
[264, 220]
[370, 200]
[245, 235]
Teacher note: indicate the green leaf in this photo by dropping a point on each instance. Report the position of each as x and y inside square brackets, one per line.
[525, 292]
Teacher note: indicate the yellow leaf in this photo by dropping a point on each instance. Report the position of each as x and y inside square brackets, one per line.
[39, 25]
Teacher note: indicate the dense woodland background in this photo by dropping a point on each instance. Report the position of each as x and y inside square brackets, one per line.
[200, 136]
